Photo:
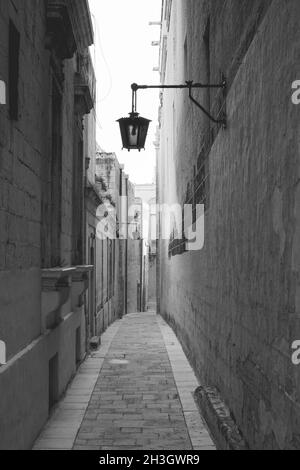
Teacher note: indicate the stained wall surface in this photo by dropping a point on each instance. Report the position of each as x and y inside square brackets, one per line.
[235, 303]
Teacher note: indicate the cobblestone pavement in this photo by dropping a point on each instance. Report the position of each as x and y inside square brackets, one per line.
[135, 393]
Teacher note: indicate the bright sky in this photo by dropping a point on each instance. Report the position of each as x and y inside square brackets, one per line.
[123, 55]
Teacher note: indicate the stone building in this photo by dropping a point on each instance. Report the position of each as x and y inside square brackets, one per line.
[147, 193]
[92, 198]
[127, 250]
[110, 251]
[45, 64]
[234, 304]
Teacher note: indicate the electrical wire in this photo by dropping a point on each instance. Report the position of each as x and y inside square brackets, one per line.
[97, 31]
[98, 39]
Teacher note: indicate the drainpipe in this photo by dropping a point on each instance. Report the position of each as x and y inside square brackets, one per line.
[120, 245]
[93, 285]
[126, 249]
[141, 276]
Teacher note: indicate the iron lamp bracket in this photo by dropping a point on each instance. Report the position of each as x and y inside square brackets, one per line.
[190, 85]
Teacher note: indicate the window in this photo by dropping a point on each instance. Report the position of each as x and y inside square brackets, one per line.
[207, 67]
[112, 268]
[201, 180]
[52, 193]
[13, 71]
[56, 174]
[177, 245]
[77, 199]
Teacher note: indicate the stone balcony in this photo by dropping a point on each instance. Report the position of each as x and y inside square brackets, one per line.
[62, 293]
[69, 27]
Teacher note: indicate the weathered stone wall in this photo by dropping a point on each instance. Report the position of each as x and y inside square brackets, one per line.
[25, 144]
[24, 406]
[235, 303]
[108, 171]
[22, 144]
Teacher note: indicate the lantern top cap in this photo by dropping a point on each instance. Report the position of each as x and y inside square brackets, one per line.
[135, 115]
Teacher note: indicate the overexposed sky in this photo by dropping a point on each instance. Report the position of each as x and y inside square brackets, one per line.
[123, 55]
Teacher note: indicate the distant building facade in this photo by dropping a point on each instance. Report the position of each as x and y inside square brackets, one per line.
[147, 193]
[135, 253]
[110, 252]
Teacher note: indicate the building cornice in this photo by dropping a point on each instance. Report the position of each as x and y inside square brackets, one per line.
[69, 27]
[84, 83]
[82, 23]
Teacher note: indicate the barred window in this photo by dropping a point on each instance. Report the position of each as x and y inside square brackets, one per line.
[177, 242]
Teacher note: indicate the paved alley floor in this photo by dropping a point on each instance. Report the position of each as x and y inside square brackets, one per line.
[134, 393]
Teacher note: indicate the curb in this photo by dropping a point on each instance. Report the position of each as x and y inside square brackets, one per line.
[224, 430]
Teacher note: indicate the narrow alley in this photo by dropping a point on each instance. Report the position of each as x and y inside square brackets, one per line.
[149, 226]
[135, 393]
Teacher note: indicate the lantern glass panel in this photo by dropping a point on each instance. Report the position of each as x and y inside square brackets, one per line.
[133, 134]
[143, 133]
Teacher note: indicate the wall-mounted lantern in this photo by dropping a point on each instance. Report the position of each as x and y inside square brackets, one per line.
[134, 129]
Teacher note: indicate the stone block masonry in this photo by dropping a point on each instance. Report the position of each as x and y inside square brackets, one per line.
[37, 176]
[235, 304]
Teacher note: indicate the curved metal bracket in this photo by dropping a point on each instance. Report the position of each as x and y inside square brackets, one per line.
[217, 121]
